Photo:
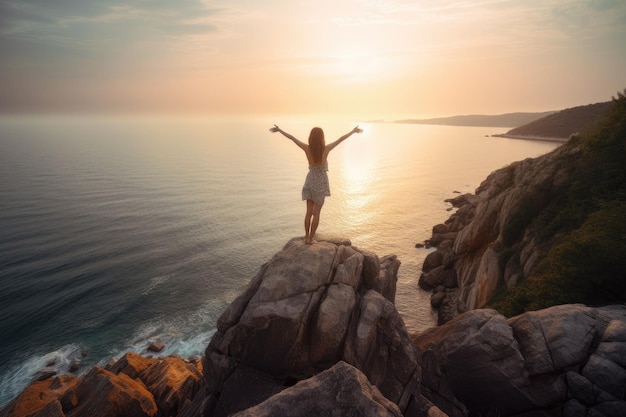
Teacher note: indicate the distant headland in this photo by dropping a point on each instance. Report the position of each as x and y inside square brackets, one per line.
[561, 125]
[550, 125]
[502, 120]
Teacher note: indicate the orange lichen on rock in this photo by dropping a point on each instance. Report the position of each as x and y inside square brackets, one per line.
[101, 393]
[172, 382]
[41, 393]
[132, 364]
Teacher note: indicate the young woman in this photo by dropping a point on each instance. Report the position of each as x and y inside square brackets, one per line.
[316, 187]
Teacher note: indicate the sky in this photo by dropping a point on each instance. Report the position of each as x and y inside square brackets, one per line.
[364, 58]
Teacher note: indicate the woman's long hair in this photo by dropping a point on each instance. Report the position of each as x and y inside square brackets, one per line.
[317, 145]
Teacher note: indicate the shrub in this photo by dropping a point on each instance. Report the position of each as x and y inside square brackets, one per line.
[588, 266]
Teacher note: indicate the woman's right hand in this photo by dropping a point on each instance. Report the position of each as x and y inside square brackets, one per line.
[275, 129]
[357, 129]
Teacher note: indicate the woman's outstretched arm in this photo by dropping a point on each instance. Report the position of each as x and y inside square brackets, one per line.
[302, 145]
[330, 146]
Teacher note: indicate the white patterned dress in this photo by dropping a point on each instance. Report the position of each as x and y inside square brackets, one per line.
[316, 186]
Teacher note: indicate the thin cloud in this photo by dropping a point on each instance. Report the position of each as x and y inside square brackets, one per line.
[34, 18]
[99, 37]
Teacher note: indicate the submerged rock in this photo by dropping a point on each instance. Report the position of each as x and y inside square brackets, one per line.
[156, 347]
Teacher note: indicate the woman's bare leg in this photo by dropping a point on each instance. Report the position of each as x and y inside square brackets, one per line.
[307, 221]
[311, 220]
[315, 221]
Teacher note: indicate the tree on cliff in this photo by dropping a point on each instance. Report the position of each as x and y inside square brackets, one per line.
[583, 226]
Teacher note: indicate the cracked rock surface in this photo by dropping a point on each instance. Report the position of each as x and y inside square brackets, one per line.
[309, 308]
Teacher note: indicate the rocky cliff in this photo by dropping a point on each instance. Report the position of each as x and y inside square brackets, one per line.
[539, 232]
[470, 263]
[316, 333]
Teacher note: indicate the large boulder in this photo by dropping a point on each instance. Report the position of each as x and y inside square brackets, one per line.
[566, 360]
[341, 390]
[308, 308]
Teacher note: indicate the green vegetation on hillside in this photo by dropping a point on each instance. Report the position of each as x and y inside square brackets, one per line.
[582, 226]
[564, 123]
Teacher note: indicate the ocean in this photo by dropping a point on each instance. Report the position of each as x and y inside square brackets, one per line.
[119, 231]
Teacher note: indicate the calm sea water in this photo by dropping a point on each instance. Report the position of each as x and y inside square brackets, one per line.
[115, 232]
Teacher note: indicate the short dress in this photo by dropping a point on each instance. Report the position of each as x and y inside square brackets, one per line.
[316, 186]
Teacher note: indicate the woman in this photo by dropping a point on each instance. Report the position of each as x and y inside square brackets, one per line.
[316, 186]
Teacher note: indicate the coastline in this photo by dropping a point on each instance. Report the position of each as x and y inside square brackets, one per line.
[531, 137]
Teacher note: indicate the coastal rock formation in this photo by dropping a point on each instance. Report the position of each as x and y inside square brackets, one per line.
[101, 393]
[308, 308]
[486, 244]
[567, 360]
[41, 398]
[133, 386]
[540, 232]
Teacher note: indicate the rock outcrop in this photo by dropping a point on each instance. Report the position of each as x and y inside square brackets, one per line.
[41, 398]
[308, 308]
[567, 360]
[134, 386]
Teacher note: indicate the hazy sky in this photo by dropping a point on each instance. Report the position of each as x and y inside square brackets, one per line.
[367, 58]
